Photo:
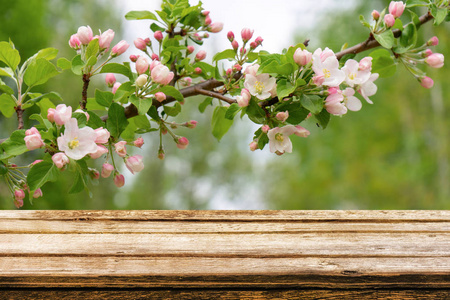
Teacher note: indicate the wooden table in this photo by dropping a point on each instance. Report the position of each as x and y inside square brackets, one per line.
[224, 254]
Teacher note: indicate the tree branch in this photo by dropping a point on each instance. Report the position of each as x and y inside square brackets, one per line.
[19, 112]
[215, 95]
[83, 101]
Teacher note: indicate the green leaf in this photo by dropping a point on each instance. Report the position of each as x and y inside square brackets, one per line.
[142, 124]
[300, 82]
[64, 63]
[92, 49]
[284, 88]
[117, 121]
[297, 113]
[323, 118]
[41, 173]
[14, 145]
[202, 106]
[275, 67]
[77, 65]
[47, 53]
[173, 111]
[398, 24]
[413, 3]
[383, 63]
[173, 92]
[255, 113]
[104, 98]
[154, 27]
[118, 69]
[81, 119]
[142, 104]
[363, 21]
[439, 15]
[219, 123]
[93, 105]
[39, 72]
[232, 111]
[43, 122]
[140, 15]
[9, 55]
[226, 54]
[94, 120]
[51, 96]
[153, 113]
[409, 36]
[44, 105]
[208, 71]
[5, 88]
[6, 72]
[7, 105]
[313, 103]
[386, 39]
[81, 179]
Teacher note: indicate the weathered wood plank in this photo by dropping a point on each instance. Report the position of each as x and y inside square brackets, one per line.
[230, 250]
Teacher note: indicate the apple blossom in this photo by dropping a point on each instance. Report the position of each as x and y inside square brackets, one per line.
[302, 57]
[350, 101]
[396, 8]
[389, 20]
[260, 85]
[119, 48]
[191, 124]
[434, 41]
[38, 193]
[244, 98]
[74, 42]
[190, 49]
[141, 80]
[100, 151]
[77, 142]
[265, 128]
[427, 53]
[94, 174]
[235, 45]
[140, 44]
[368, 88]
[36, 161]
[301, 132]
[158, 36]
[18, 203]
[60, 160]
[205, 12]
[435, 60]
[105, 39]
[353, 74]
[51, 115]
[198, 70]
[230, 36]
[426, 82]
[326, 64]
[115, 87]
[253, 146]
[139, 142]
[215, 27]
[110, 79]
[365, 63]
[141, 65]
[85, 34]
[162, 75]
[33, 139]
[107, 170]
[155, 56]
[282, 116]
[134, 163]
[375, 15]
[19, 194]
[120, 148]
[279, 138]
[208, 20]
[62, 114]
[182, 142]
[334, 104]
[119, 180]
[134, 58]
[201, 55]
[246, 34]
[160, 96]
[80, 111]
[259, 40]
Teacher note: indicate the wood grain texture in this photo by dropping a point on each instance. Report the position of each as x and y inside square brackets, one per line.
[225, 254]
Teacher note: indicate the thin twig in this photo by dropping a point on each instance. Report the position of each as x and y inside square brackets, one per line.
[215, 95]
[83, 101]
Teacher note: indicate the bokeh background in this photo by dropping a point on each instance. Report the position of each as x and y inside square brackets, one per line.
[390, 155]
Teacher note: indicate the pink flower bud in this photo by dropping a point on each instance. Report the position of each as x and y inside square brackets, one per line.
[140, 44]
[434, 41]
[100, 151]
[110, 79]
[63, 113]
[230, 36]
[60, 160]
[134, 163]
[237, 67]
[426, 82]
[302, 57]
[253, 45]
[200, 55]
[158, 36]
[37, 193]
[318, 79]
[18, 203]
[207, 20]
[119, 48]
[36, 161]
[333, 90]
[244, 98]
[265, 128]
[74, 42]
[427, 53]
[253, 146]
[389, 20]
[141, 65]
[301, 132]
[161, 74]
[282, 116]
[365, 63]
[259, 40]
[205, 12]
[160, 96]
[94, 174]
[19, 194]
[229, 72]
[198, 70]
[153, 64]
[85, 34]
[148, 42]
[105, 39]
[375, 15]
[161, 154]
[133, 57]
[83, 112]
[190, 49]
[102, 135]
[120, 148]
[246, 34]
[119, 180]
[182, 143]
[107, 170]
[191, 124]
[435, 60]
[206, 35]
[33, 140]
[235, 45]
[187, 81]
[215, 27]
[115, 87]
[51, 115]
[396, 8]
[155, 56]
[243, 50]
[139, 142]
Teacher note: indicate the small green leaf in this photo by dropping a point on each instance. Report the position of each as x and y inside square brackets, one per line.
[232, 111]
[9, 55]
[64, 63]
[284, 88]
[383, 63]
[155, 27]
[323, 118]
[39, 72]
[14, 145]
[77, 65]
[6, 72]
[413, 3]
[313, 103]
[363, 21]
[117, 121]
[226, 54]
[41, 173]
[45, 124]
[52, 96]
[104, 98]
[173, 111]
[81, 178]
[5, 88]
[95, 121]
[142, 104]
[47, 53]
[255, 113]
[219, 123]
[92, 49]
[398, 24]
[173, 92]
[409, 36]
[300, 82]
[118, 69]
[44, 105]
[439, 15]
[140, 15]
[7, 105]
[386, 39]
[202, 106]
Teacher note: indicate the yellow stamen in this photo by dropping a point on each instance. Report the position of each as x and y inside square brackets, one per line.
[259, 87]
[352, 76]
[326, 73]
[74, 143]
[279, 137]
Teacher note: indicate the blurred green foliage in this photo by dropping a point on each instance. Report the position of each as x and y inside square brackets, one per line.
[390, 155]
